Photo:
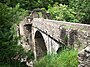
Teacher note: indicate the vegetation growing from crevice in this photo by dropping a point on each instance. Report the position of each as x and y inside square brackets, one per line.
[66, 58]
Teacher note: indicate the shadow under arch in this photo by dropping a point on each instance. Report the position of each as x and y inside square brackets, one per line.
[40, 46]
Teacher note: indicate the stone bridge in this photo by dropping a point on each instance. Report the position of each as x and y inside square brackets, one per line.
[45, 36]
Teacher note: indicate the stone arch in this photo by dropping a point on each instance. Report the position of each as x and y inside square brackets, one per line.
[59, 49]
[40, 45]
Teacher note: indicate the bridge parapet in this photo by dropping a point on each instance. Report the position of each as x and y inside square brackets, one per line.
[38, 13]
[71, 34]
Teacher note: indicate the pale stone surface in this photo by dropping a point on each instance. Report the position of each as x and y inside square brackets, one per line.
[29, 64]
[71, 34]
[84, 57]
[56, 32]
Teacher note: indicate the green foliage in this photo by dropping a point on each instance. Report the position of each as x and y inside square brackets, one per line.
[66, 58]
[73, 11]
[81, 7]
[8, 39]
[28, 4]
[64, 2]
[14, 63]
[70, 10]
[63, 13]
[32, 4]
[30, 55]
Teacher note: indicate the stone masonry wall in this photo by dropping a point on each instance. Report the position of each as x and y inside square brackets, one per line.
[70, 34]
[84, 57]
[25, 34]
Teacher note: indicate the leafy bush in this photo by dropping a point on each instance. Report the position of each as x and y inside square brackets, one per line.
[66, 58]
[82, 8]
[28, 4]
[74, 11]
[8, 38]
[13, 63]
[63, 13]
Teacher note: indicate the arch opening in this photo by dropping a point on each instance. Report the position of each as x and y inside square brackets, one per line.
[40, 46]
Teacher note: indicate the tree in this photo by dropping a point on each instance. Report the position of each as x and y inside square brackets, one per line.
[81, 7]
[8, 40]
[62, 13]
